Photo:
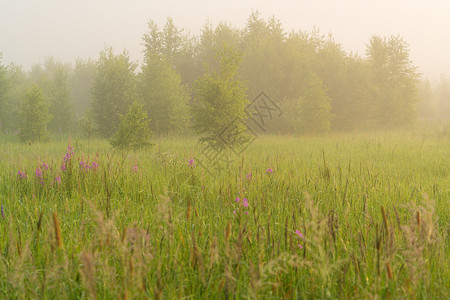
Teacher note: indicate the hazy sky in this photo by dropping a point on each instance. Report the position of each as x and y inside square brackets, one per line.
[31, 30]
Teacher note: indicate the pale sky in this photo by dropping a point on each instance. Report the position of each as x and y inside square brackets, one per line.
[31, 30]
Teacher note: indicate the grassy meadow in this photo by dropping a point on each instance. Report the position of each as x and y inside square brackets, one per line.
[341, 216]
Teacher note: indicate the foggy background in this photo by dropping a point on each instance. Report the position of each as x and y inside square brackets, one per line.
[30, 30]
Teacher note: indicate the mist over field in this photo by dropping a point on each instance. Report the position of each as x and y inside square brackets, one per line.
[209, 150]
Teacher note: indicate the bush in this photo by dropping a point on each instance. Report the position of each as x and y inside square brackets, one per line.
[133, 132]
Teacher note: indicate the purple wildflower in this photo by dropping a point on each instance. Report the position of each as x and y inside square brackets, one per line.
[44, 166]
[135, 169]
[249, 176]
[94, 165]
[269, 171]
[3, 213]
[21, 175]
[58, 179]
[69, 154]
[237, 200]
[191, 163]
[38, 173]
[245, 202]
[63, 167]
[300, 235]
[84, 166]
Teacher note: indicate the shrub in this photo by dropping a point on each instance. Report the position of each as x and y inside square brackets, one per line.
[133, 132]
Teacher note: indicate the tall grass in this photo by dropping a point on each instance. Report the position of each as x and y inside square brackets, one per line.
[344, 216]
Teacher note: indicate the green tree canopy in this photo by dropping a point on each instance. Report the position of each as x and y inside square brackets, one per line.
[34, 116]
[4, 86]
[80, 85]
[220, 101]
[395, 80]
[164, 97]
[113, 90]
[60, 102]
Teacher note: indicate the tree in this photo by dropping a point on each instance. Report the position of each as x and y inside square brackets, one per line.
[220, 102]
[4, 86]
[112, 90]
[163, 95]
[443, 94]
[34, 116]
[133, 132]
[395, 80]
[262, 62]
[176, 47]
[426, 106]
[10, 111]
[213, 40]
[80, 85]
[315, 108]
[60, 102]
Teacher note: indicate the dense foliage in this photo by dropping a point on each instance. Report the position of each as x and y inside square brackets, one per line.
[380, 90]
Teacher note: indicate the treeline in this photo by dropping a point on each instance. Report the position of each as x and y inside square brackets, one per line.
[319, 86]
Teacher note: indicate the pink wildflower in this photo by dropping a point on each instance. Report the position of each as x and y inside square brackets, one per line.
[21, 175]
[297, 232]
[191, 163]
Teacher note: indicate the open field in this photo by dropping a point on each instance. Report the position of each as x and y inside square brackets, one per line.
[340, 216]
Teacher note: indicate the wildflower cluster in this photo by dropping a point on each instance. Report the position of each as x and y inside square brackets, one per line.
[243, 203]
[67, 158]
[69, 154]
[39, 176]
[85, 166]
[21, 175]
[135, 169]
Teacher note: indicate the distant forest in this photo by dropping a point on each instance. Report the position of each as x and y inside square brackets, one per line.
[319, 87]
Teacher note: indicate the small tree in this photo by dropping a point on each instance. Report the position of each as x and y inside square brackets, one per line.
[220, 102]
[133, 132]
[34, 116]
